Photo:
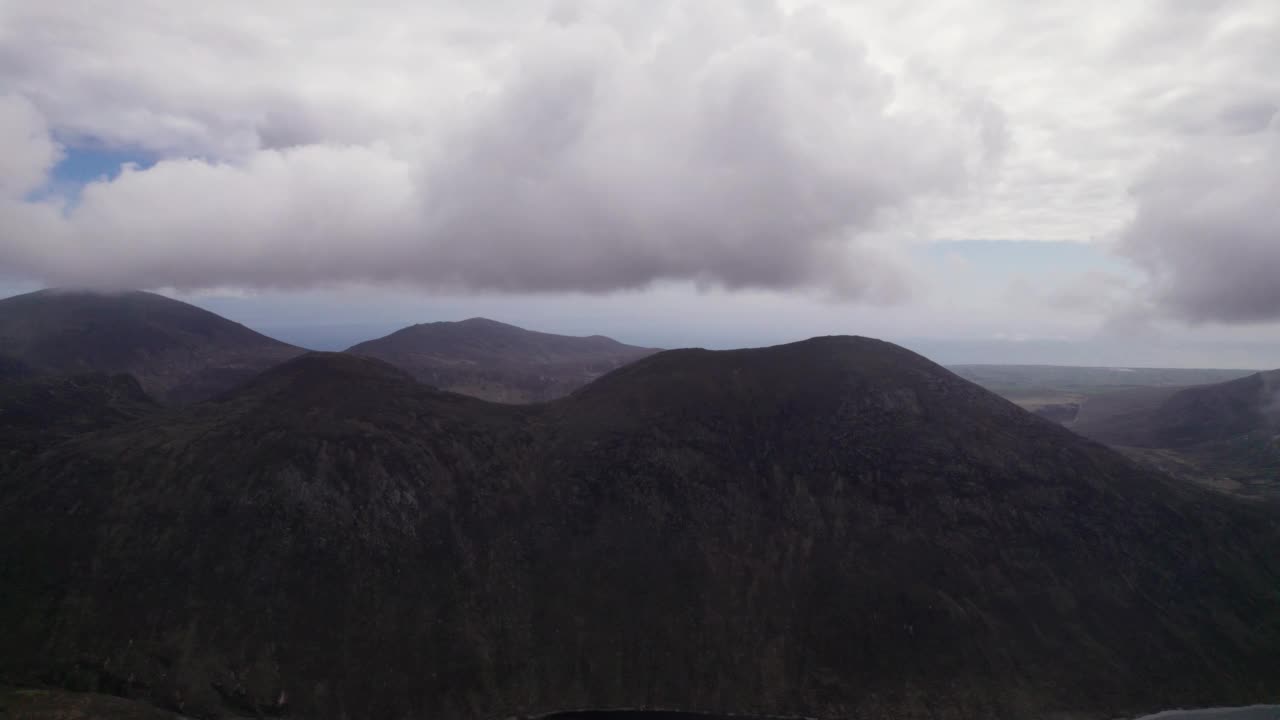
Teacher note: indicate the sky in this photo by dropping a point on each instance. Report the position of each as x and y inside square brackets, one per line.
[983, 181]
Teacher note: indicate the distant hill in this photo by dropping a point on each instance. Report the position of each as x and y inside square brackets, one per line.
[178, 352]
[831, 528]
[1057, 391]
[1224, 433]
[499, 362]
[1179, 417]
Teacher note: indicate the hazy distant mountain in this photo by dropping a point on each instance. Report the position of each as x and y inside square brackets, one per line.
[499, 362]
[177, 351]
[1182, 416]
[832, 528]
[1056, 391]
[1224, 433]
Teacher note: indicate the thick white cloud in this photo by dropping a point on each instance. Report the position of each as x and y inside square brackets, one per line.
[587, 149]
[1094, 92]
[561, 145]
[27, 152]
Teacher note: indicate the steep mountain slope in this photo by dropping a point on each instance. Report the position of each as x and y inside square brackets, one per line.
[177, 351]
[1226, 434]
[832, 528]
[499, 362]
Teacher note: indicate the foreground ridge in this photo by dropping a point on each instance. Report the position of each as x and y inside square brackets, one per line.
[832, 528]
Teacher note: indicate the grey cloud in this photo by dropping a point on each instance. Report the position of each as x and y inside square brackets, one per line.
[708, 144]
[1094, 292]
[1247, 117]
[1207, 230]
[1216, 111]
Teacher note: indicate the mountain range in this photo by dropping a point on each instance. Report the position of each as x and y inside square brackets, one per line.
[832, 528]
[180, 353]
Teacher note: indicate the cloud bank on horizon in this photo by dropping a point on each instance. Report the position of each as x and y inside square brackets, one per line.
[600, 146]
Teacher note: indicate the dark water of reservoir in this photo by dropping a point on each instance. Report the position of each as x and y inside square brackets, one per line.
[1253, 712]
[654, 715]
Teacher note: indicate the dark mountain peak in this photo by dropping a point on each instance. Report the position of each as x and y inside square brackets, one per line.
[179, 352]
[497, 361]
[821, 367]
[811, 396]
[318, 377]
[122, 307]
[473, 328]
[88, 298]
[99, 292]
[334, 367]
[487, 323]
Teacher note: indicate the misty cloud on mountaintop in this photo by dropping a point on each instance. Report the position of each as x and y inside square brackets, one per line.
[728, 147]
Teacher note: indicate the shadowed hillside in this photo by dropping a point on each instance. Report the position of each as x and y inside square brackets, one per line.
[12, 369]
[177, 351]
[38, 413]
[832, 528]
[499, 362]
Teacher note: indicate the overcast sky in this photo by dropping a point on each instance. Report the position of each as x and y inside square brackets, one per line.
[996, 180]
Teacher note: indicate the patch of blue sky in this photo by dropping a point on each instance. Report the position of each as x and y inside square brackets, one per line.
[88, 163]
